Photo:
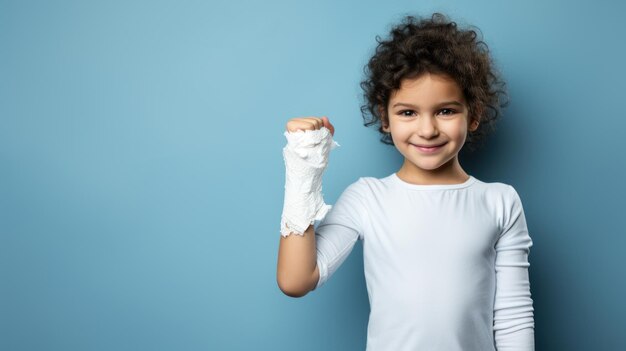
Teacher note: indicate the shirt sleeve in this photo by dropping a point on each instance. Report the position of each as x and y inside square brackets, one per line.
[513, 307]
[338, 231]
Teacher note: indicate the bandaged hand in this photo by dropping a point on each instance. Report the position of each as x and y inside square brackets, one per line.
[306, 158]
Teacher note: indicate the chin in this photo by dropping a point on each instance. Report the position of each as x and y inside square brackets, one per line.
[428, 166]
[431, 168]
[433, 164]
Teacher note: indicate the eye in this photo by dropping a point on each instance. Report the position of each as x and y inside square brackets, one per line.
[406, 113]
[450, 111]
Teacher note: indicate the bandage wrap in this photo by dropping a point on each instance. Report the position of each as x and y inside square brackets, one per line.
[306, 158]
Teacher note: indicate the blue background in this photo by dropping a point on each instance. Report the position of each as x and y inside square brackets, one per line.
[141, 173]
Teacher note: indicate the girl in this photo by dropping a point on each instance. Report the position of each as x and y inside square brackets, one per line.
[445, 254]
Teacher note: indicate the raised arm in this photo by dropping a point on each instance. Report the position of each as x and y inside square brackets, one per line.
[309, 140]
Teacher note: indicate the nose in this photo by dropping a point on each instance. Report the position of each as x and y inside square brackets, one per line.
[427, 127]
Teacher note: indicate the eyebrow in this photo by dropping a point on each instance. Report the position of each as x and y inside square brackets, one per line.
[438, 105]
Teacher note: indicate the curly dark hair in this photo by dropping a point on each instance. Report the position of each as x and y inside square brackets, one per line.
[434, 45]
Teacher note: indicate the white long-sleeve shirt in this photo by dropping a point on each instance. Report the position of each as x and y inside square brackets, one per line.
[446, 266]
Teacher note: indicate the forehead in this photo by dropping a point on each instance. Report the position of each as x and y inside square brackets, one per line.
[428, 87]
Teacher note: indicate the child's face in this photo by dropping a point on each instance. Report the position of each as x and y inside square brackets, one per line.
[426, 111]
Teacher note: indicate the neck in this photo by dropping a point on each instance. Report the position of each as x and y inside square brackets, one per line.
[450, 173]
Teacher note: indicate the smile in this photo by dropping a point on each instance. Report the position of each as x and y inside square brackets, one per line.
[429, 149]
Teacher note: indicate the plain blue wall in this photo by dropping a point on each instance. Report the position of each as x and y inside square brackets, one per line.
[141, 174]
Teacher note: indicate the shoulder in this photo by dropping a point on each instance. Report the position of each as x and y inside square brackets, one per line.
[497, 190]
[368, 187]
[359, 188]
[502, 199]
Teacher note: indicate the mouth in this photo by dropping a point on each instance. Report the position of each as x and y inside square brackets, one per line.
[429, 149]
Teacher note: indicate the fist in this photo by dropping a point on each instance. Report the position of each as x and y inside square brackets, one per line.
[309, 123]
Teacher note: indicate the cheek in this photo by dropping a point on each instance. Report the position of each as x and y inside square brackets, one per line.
[458, 132]
[462, 130]
[398, 131]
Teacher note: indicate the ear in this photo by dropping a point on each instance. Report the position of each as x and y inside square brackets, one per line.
[474, 125]
[384, 121]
